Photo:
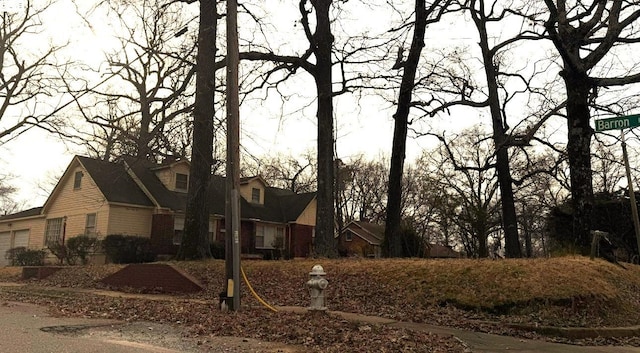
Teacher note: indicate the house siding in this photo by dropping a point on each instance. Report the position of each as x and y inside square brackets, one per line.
[245, 189]
[168, 175]
[308, 216]
[75, 204]
[35, 226]
[130, 220]
[357, 246]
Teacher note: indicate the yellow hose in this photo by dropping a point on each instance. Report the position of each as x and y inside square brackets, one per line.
[254, 292]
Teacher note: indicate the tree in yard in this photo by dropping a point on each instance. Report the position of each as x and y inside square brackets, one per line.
[321, 45]
[320, 59]
[591, 37]
[30, 87]
[195, 241]
[538, 191]
[362, 189]
[464, 173]
[424, 14]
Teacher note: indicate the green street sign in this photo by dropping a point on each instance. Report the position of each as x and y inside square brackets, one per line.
[618, 123]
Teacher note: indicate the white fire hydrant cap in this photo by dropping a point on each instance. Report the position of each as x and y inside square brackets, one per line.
[317, 270]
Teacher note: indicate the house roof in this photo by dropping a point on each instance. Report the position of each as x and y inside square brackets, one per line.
[440, 251]
[280, 205]
[114, 182]
[370, 232]
[36, 211]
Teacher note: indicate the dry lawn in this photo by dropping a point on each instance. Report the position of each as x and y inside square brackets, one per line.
[565, 291]
[484, 295]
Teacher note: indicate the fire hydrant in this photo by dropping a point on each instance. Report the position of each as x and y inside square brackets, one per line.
[317, 285]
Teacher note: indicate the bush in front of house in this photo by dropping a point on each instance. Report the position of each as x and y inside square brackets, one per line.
[80, 247]
[21, 256]
[128, 249]
[217, 249]
[59, 250]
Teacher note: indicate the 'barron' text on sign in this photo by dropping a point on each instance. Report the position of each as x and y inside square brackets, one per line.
[622, 122]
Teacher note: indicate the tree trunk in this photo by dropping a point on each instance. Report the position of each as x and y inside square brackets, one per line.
[578, 151]
[144, 136]
[325, 244]
[195, 241]
[509, 217]
[392, 245]
[483, 248]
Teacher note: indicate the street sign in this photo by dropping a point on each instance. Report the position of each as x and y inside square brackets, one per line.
[618, 123]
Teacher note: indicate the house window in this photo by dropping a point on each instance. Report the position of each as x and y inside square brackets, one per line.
[255, 195]
[212, 230]
[90, 225]
[77, 180]
[178, 230]
[53, 231]
[259, 236]
[266, 236]
[348, 236]
[182, 181]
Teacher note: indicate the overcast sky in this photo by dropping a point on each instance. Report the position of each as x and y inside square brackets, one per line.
[362, 127]
[35, 159]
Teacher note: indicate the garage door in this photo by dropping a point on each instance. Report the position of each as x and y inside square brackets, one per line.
[5, 244]
[21, 238]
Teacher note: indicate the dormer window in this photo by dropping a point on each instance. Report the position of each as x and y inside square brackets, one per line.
[182, 182]
[77, 180]
[255, 195]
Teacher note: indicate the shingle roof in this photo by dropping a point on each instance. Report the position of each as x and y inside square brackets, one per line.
[371, 232]
[114, 182]
[117, 185]
[36, 211]
[143, 170]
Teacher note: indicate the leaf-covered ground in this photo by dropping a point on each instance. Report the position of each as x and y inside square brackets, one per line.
[477, 294]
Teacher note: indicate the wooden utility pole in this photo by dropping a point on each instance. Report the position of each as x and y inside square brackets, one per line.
[632, 194]
[232, 211]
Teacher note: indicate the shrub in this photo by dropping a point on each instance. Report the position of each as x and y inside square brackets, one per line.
[126, 249]
[22, 256]
[79, 248]
[217, 249]
[59, 250]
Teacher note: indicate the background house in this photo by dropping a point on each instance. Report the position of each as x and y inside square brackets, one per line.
[138, 197]
[361, 238]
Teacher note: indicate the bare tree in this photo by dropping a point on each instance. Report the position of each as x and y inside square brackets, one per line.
[140, 108]
[424, 14]
[8, 203]
[195, 241]
[590, 37]
[361, 189]
[463, 169]
[30, 86]
[297, 174]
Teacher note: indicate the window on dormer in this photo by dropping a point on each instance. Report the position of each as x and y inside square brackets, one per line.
[255, 195]
[77, 180]
[182, 181]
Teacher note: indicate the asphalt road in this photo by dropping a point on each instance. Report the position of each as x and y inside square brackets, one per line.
[28, 329]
